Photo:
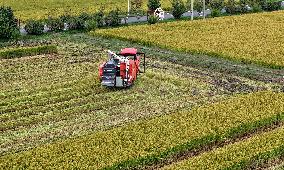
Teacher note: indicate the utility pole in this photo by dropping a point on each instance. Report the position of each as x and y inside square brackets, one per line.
[203, 9]
[192, 9]
[128, 7]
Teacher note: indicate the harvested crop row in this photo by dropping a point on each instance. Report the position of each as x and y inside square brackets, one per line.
[42, 109]
[237, 155]
[12, 82]
[144, 141]
[34, 86]
[52, 97]
[164, 90]
[252, 38]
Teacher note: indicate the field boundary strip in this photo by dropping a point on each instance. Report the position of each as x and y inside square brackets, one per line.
[11, 53]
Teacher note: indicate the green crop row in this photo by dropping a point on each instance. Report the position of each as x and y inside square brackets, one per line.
[149, 141]
[28, 51]
[238, 155]
[252, 38]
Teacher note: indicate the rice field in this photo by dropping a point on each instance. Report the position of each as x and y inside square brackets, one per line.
[151, 137]
[50, 96]
[239, 155]
[251, 38]
[195, 107]
[37, 9]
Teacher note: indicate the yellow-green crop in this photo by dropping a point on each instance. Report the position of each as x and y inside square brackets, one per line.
[39, 9]
[252, 38]
[235, 154]
[148, 137]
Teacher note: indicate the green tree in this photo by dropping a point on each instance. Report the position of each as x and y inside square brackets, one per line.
[100, 17]
[197, 5]
[113, 18]
[153, 5]
[243, 4]
[34, 27]
[179, 8]
[231, 7]
[216, 4]
[8, 23]
[136, 6]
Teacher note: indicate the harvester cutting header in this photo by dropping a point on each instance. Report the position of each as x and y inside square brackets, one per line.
[122, 69]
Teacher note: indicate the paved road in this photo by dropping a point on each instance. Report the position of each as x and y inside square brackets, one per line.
[135, 19]
[167, 16]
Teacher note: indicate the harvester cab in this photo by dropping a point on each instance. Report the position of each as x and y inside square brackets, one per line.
[122, 69]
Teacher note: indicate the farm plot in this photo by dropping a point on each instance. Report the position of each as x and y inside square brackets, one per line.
[252, 38]
[145, 141]
[38, 9]
[53, 104]
[53, 96]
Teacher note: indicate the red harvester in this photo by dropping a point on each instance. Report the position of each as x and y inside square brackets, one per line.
[121, 69]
